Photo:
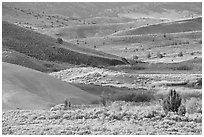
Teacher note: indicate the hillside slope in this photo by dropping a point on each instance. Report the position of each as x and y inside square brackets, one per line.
[43, 47]
[15, 57]
[29, 89]
[169, 27]
[95, 30]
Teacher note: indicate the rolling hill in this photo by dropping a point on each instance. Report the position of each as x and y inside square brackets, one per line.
[95, 30]
[43, 47]
[87, 9]
[169, 27]
[25, 88]
[167, 10]
[50, 15]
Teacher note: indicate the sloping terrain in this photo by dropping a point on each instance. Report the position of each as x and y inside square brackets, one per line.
[43, 47]
[169, 27]
[95, 30]
[15, 57]
[24, 88]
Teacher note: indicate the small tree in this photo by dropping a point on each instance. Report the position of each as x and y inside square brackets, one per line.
[172, 102]
[59, 40]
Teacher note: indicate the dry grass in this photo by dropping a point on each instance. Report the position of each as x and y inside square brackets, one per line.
[117, 118]
[194, 105]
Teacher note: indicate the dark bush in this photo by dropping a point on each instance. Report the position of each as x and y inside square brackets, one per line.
[59, 40]
[182, 67]
[139, 96]
[180, 54]
[164, 35]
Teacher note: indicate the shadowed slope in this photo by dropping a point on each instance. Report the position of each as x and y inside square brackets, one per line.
[15, 57]
[43, 47]
[29, 89]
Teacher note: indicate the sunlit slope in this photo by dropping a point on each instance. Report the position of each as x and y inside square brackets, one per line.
[25, 88]
[169, 27]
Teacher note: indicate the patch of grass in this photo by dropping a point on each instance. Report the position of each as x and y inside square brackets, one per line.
[181, 67]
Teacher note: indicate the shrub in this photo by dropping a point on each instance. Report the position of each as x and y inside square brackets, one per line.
[159, 55]
[195, 84]
[59, 40]
[135, 57]
[103, 99]
[172, 101]
[148, 55]
[200, 42]
[164, 35]
[182, 110]
[180, 54]
[67, 104]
